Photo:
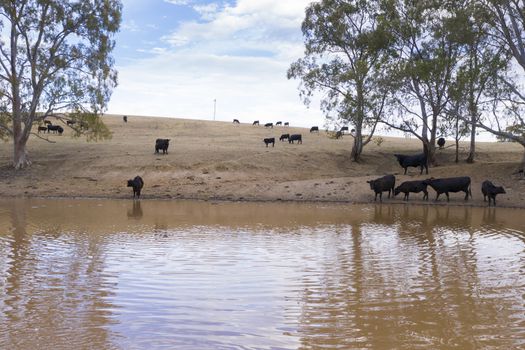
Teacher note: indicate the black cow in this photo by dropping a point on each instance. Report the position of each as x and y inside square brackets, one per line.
[286, 124]
[338, 134]
[55, 129]
[162, 144]
[284, 137]
[488, 189]
[295, 137]
[125, 118]
[269, 140]
[450, 184]
[412, 186]
[137, 183]
[418, 160]
[344, 128]
[382, 184]
[314, 128]
[268, 125]
[236, 121]
[278, 123]
[441, 142]
[255, 122]
[42, 128]
[71, 122]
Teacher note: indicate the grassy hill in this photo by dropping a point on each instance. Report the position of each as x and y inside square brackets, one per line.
[220, 160]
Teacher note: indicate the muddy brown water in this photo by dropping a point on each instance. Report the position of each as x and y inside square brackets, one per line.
[102, 274]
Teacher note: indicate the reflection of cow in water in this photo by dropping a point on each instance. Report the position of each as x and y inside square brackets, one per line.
[135, 211]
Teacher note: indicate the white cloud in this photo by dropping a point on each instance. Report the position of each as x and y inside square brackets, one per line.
[237, 54]
[178, 2]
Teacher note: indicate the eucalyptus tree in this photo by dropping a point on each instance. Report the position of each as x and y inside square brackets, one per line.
[346, 50]
[428, 57]
[55, 57]
[506, 19]
[476, 79]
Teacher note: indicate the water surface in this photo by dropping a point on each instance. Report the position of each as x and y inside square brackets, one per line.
[107, 274]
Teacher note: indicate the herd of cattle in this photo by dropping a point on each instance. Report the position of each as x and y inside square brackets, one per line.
[445, 185]
[49, 127]
[379, 185]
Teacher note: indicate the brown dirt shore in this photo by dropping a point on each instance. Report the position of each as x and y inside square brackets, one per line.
[211, 160]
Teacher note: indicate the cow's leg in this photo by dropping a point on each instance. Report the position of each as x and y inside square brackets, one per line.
[437, 195]
[448, 198]
[466, 195]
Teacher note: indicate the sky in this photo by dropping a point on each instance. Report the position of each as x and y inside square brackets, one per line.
[183, 58]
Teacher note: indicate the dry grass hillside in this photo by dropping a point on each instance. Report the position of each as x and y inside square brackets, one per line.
[220, 160]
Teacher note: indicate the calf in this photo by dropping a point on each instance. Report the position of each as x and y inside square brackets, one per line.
[343, 129]
[71, 122]
[278, 123]
[295, 137]
[441, 142]
[255, 122]
[137, 185]
[268, 125]
[42, 128]
[338, 134]
[236, 121]
[284, 137]
[450, 184]
[162, 144]
[314, 129]
[412, 186]
[286, 124]
[269, 140]
[418, 160]
[488, 189]
[47, 122]
[382, 184]
[125, 118]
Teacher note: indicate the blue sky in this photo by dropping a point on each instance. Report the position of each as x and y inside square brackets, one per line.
[175, 57]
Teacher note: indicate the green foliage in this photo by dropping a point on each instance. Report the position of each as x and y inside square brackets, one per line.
[56, 58]
[379, 141]
[347, 47]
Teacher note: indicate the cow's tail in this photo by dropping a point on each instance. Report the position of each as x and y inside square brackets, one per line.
[469, 190]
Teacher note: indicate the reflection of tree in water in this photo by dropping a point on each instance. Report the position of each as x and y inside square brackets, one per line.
[135, 211]
[418, 285]
[56, 291]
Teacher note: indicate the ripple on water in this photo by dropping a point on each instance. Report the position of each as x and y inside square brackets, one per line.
[390, 278]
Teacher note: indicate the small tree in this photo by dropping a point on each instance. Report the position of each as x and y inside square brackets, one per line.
[346, 48]
[56, 58]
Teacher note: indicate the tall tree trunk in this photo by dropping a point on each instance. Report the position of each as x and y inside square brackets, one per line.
[473, 110]
[20, 159]
[357, 148]
[457, 139]
[472, 151]
[522, 165]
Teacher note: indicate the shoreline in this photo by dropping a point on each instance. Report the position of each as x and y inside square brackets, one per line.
[215, 200]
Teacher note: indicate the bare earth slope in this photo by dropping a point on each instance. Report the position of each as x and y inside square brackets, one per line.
[220, 160]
